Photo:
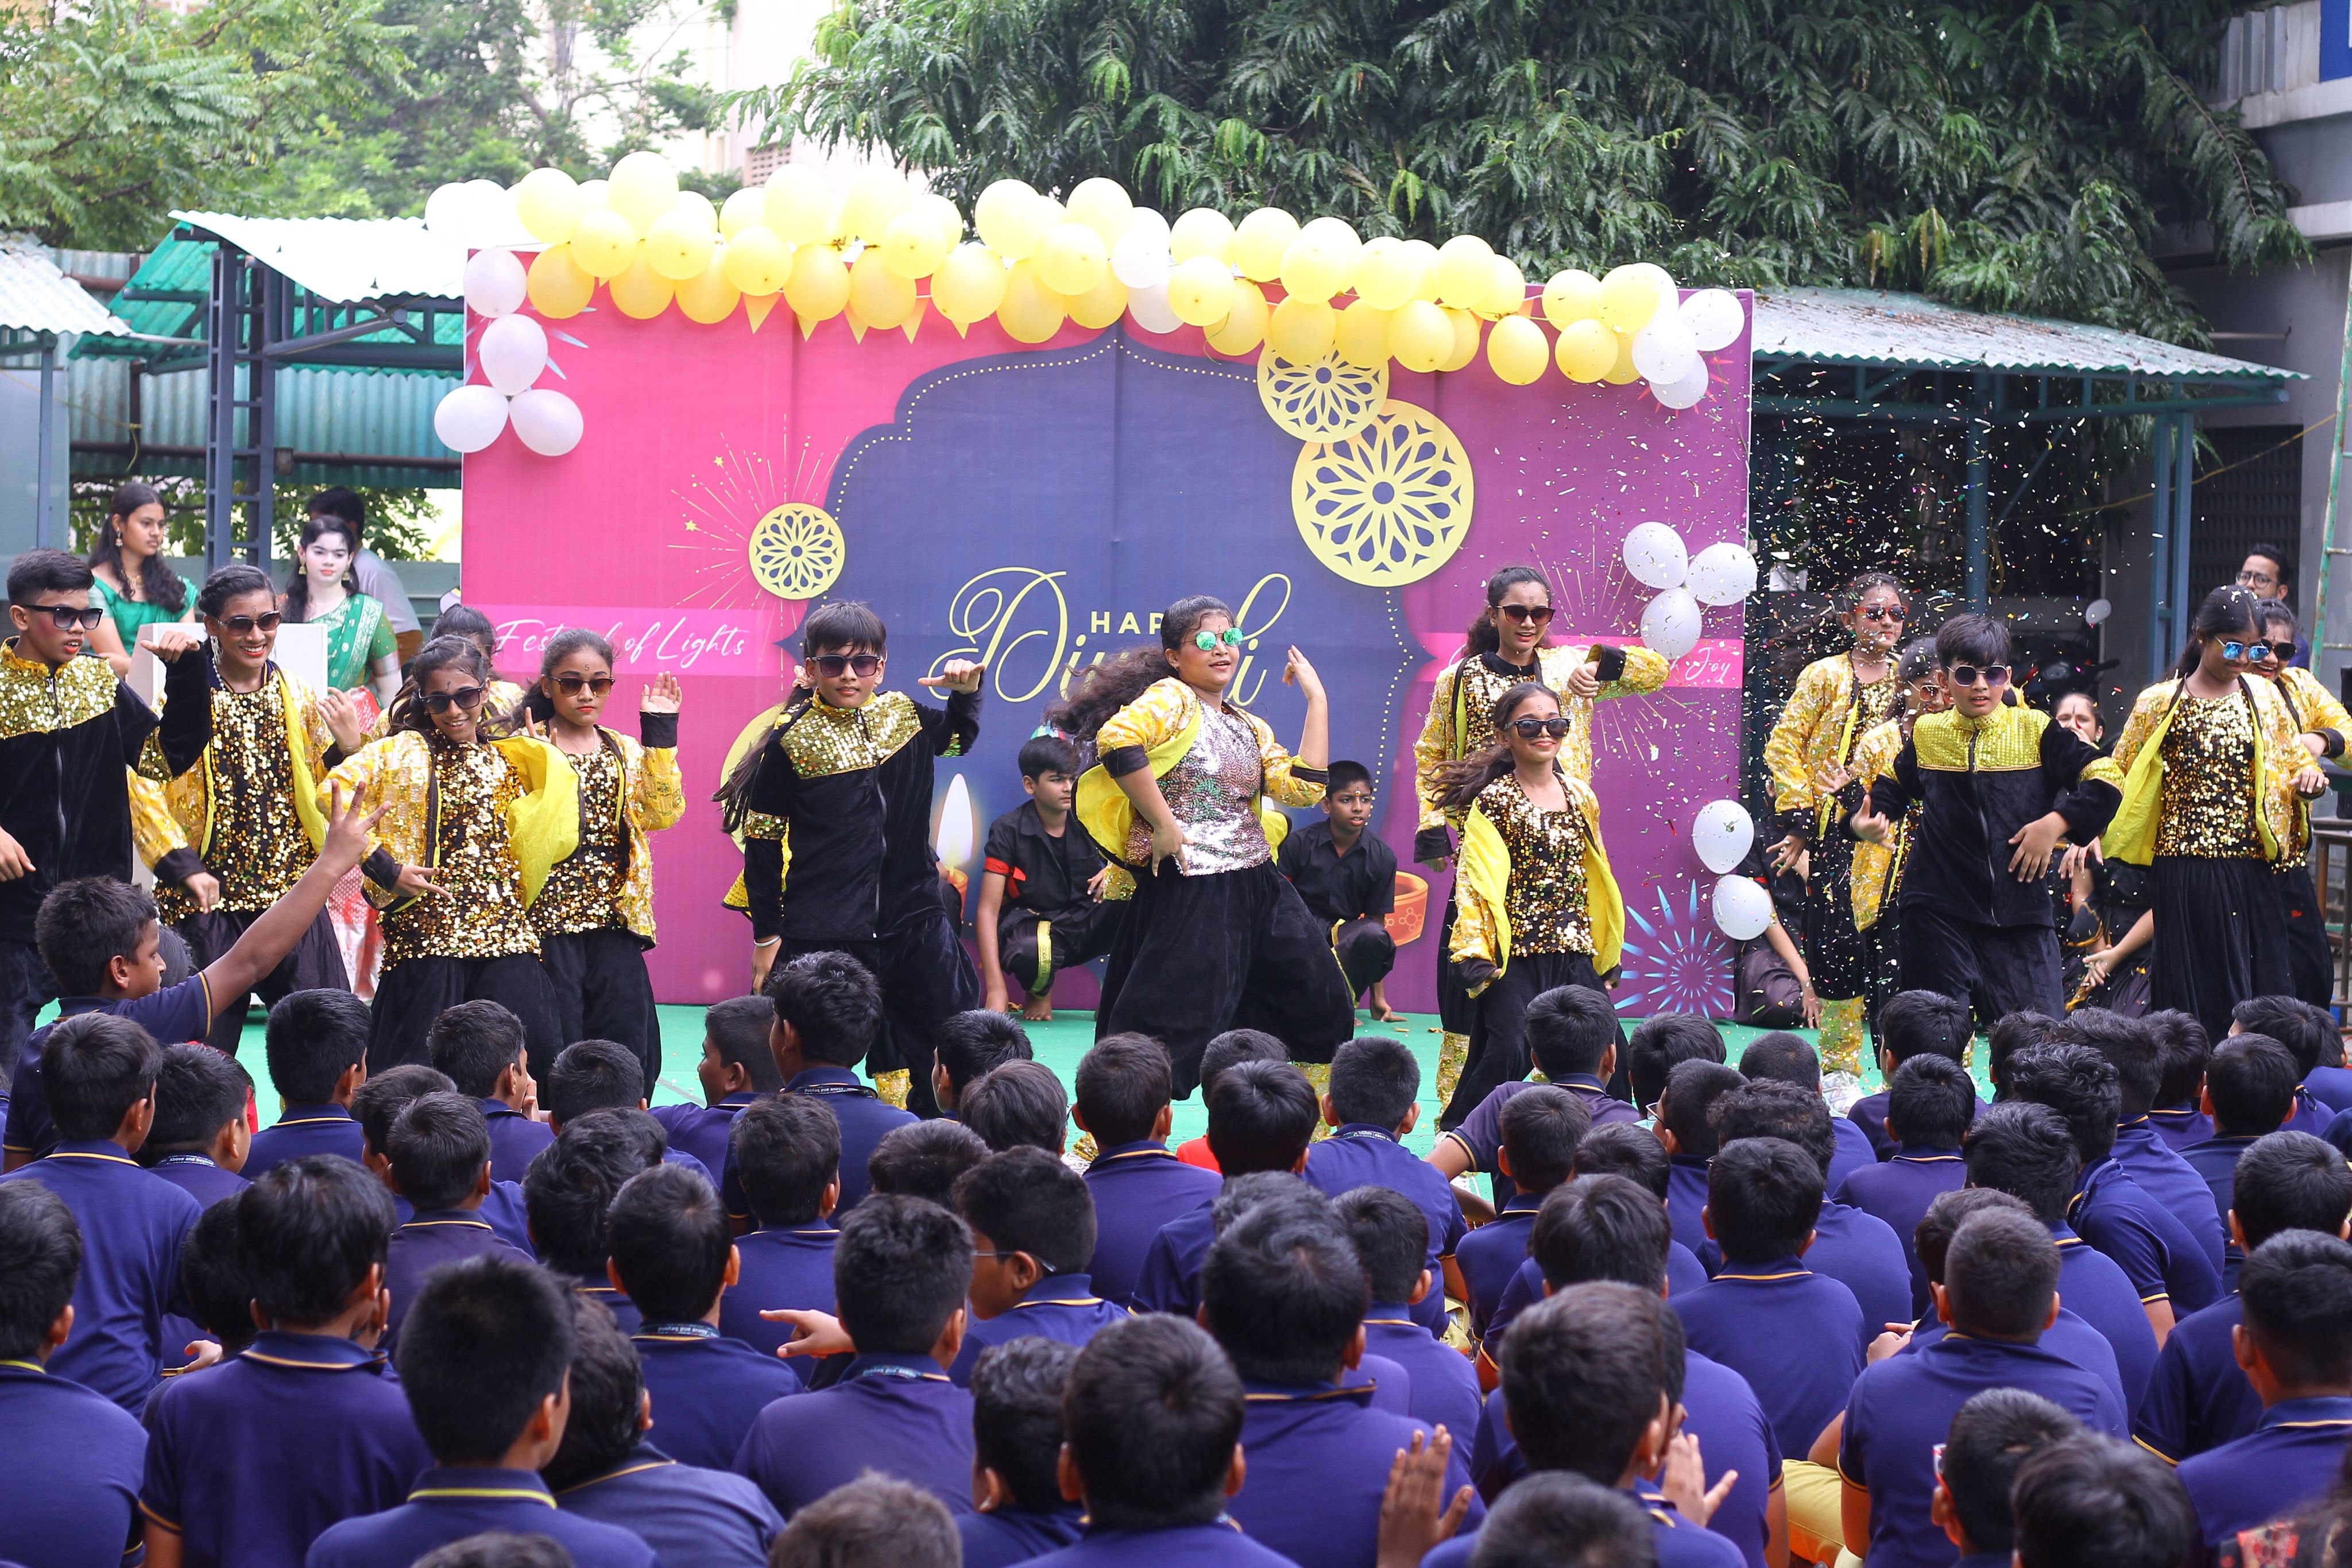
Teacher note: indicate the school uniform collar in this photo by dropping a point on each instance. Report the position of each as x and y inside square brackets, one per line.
[2063, 1233]
[2089, 1184]
[187, 1157]
[2222, 1139]
[2325, 1411]
[819, 1231]
[452, 1219]
[477, 1483]
[827, 1079]
[1365, 1130]
[1770, 1271]
[304, 1116]
[1654, 1502]
[693, 1333]
[885, 1369]
[92, 1151]
[1390, 1315]
[493, 1106]
[1061, 1291]
[598, 1286]
[310, 1352]
[1359, 1394]
[2172, 1114]
[1142, 1149]
[734, 1102]
[1523, 1202]
[13, 1369]
[1691, 1161]
[642, 1458]
[1590, 1080]
[1926, 1156]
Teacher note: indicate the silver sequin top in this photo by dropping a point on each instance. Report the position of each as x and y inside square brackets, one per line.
[1212, 790]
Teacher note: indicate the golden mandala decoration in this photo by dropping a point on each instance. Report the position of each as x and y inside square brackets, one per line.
[797, 551]
[1388, 505]
[1323, 400]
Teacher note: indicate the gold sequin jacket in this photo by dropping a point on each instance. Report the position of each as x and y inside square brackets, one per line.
[1877, 869]
[2266, 788]
[1536, 881]
[1825, 718]
[542, 823]
[652, 797]
[2316, 712]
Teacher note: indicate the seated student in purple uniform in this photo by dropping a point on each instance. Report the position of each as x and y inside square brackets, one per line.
[605, 1075]
[199, 1140]
[2249, 1094]
[828, 1011]
[438, 1158]
[1018, 1105]
[923, 1160]
[317, 1048]
[970, 1046]
[1389, 1234]
[2198, 1397]
[870, 1522]
[1234, 1046]
[2185, 1049]
[1991, 1436]
[568, 1192]
[1540, 1131]
[1016, 1454]
[483, 1363]
[1683, 1126]
[248, 1463]
[1372, 1105]
[2091, 1499]
[217, 1297]
[1928, 1109]
[1033, 1229]
[2304, 1029]
[609, 1469]
[2296, 1349]
[1785, 1057]
[1262, 1117]
[2011, 1034]
[786, 1155]
[2170, 1182]
[898, 1274]
[1573, 1035]
[1559, 1516]
[1283, 1292]
[377, 1106]
[1138, 1183]
[735, 1069]
[480, 1045]
[1912, 1023]
[673, 1255]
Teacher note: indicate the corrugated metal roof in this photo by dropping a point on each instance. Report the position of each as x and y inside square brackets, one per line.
[346, 259]
[166, 293]
[35, 296]
[1867, 327]
[376, 416]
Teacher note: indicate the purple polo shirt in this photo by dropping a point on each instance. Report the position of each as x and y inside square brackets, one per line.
[702, 1130]
[2093, 1288]
[2067, 1337]
[450, 1503]
[1445, 1385]
[1684, 1274]
[1899, 1193]
[1138, 1188]
[1061, 1307]
[1324, 1443]
[173, 1015]
[2198, 1398]
[515, 1139]
[1009, 1535]
[788, 1269]
[1491, 1254]
[690, 1516]
[1686, 1197]
[2172, 1183]
[1677, 1541]
[1750, 1315]
[708, 1389]
[2291, 1458]
[1480, 1135]
[1361, 1155]
[2181, 1125]
[899, 1415]
[2154, 1249]
[304, 1130]
[1219, 1544]
[431, 1240]
[197, 1175]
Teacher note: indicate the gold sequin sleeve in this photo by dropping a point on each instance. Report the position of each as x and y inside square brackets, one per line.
[2322, 714]
[154, 829]
[2287, 757]
[2147, 710]
[1645, 671]
[1788, 751]
[1288, 781]
[318, 738]
[657, 792]
[1158, 715]
[395, 772]
[1437, 746]
[1875, 752]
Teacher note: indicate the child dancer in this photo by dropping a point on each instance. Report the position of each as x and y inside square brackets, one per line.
[1877, 869]
[1810, 753]
[1539, 907]
[2324, 726]
[1504, 647]
[1217, 937]
[595, 914]
[473, 821]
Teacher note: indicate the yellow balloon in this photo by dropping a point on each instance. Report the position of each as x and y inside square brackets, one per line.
[743, 208]
[1031, 312]
[644, 187]
[1006, 216]
[1313, 268]
[757, 262]
[1629, 298]
[1586, 350]
[798, 208]
[1201, 291]
[1466, 272]
[1668, 296]
[1571, 296]
[1515, 350]
[1100, 305]
[708, 297]
[1244, 327]
[641, 293]
[1104, 206]
[1071, 258]
[1387, 274]
[559, 285]
[1202, 232]
[1421, 336]
[603, 243]
[1301, 330]
[1466, 339]
[1334, 235]
[968, 284]
[1361, 336]
[819, 285]
[675, 249]
[1624, 372]
[595, 194]
[876, 195]
[880, 297]
[549, 204]
[913, 246]
[944, 217]
[694, 208]
[1424, 257]
[1509, 295]
[1259, 242]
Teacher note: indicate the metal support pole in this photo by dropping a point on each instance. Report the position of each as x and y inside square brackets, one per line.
[2184, 479]
[1975, 574]
[269, 314]
[224, 327]
[2340, 451]
[45, 464]
[2160, 639]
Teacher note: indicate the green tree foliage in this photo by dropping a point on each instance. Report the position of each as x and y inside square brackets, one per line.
[2009, 157]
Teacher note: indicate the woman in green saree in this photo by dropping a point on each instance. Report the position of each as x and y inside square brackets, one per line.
[136, 587]
[361, 651]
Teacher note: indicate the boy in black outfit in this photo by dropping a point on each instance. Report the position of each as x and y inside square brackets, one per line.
[1016, 1439]
[1041, 907]
[1347, 877]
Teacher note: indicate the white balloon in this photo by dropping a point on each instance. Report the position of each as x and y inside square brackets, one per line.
[447, 212]
[1664, 351]
[1149, 306]
[1656, 555]
[1722, 574]
[494, 282]
[490, 214]
[1742, 909]
[1670, 624]
[1723, 834]
[1714, 317]
[1685, 393]
[513, 351]
[547, 422]
[1148, 224]
[1139, 260]
[2096, 611]
[471, 417]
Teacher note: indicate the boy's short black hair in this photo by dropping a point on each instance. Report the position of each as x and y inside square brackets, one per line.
[1692, 1088]
[608, 1396]
[1557, 1520]
[1784, 1058]
[787, 1150]
[1571, 1029]
[438, 1146]
[2290, 1181]
[1391, 1235]
[2138, 1058]
[1282, 1291]
[2296, 1025]
[1991, 1436]
[1152, 1415]
[1017, 1103]
[219, 1293]
[86, 923]
[1770, 1110]
[898, 1274]
[1123, 1084]
[1930, 1102]
[41, 1260]
[1583, 1377]
[339, 501]
[2092, 1499]
[924, 1160]
[94, 1068]
[669, 1241]
[874, 1522]
[1374, 1078]
[2012, 1034]
[314, 1037]
[1026, 1201]
[487, 1341]
[571, 1184]
[832, 1004]
[2025, 1150]
[737, 1029]
[198, 1091]
[2001, 1271]
[2186, 1048]
[475, 1043]
[2079, 1083]
[1601, 1228]
[498, 1549]
[1970, 638]
[1621, 1148]
[1657, 1045]
[1763, 1197]
[2252, 1080]
[1260, 1190]
[2297, 1291]
[1931, 1239]
[1341, 775]
[1262, 1115]
[1044, 753]
[592, 1075]
[307, 1231]
[1913, 1022]
[1541, 1127]
[1237, 1045]
[1016, 1417]
[380, 1101]
[40, 572]
[975, 1042]
[841, 626]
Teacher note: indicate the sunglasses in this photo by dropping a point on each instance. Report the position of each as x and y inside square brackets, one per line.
[467, 698]
[70, 617]
[1882, 613]
[1527, 615]
[570, 684]
[2258, 651]
[1207, 640]
[832, 666]
[245, 625]
[1529, 728]
[1972, 674]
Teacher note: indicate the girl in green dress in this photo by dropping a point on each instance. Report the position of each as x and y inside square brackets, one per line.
[136, 587]
[361, 651]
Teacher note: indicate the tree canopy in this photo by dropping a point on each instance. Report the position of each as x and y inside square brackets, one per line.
[2008, 157]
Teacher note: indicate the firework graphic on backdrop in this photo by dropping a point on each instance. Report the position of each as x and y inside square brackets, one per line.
[1677, 962]
[720, 509]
